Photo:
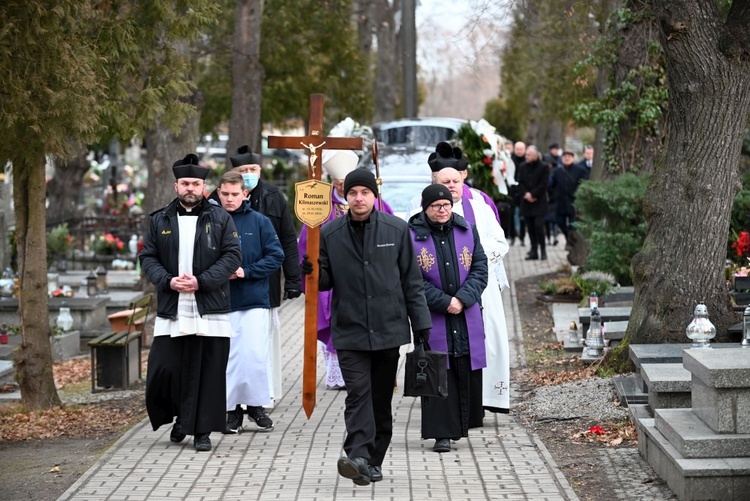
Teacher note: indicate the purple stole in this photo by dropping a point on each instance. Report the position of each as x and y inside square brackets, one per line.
[426, 256]
[467, 193]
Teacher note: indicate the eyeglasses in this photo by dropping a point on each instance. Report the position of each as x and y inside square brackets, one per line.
[439, 207]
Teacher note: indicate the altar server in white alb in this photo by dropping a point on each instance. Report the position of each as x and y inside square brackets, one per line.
[189, 252]
[496, 376]
[248, 369]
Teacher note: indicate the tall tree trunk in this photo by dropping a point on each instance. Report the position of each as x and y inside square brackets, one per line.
[33, 357]
[387, 61]
[247, 77]
[634, 148]
[64, 189]
[696, 176]
[409, 57]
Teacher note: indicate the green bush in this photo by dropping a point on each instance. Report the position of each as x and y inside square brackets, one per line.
[594, 281]
[611, 218]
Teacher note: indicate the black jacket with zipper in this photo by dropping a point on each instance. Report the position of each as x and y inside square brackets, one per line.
[216, 256]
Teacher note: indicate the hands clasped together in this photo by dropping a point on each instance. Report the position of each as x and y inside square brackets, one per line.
[184, 283]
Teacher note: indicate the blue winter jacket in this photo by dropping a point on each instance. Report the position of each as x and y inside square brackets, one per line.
[262, 255]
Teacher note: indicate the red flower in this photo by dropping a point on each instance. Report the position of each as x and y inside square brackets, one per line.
[596, 430]
[487, 160]
[742, 245]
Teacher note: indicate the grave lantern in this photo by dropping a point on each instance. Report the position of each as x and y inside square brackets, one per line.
[594, 336]
[701, 331]
[91, 284]
[101, 280]
[573, 333]
[593, 301]
[3, 335]
[64, 318]
[746, 328]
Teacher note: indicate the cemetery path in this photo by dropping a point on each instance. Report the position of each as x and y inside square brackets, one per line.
[64, 467]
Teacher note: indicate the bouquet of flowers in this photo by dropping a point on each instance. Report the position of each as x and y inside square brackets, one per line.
[107, 243]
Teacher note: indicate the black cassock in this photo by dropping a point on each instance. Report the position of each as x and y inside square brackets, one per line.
[187, 378]
[453, 416]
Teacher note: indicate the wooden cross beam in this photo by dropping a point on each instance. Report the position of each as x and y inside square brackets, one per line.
[315, 143]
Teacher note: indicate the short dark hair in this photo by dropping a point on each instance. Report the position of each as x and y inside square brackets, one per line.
[232, 177]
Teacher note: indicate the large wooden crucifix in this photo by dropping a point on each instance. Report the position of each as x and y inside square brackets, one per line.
[313, 206]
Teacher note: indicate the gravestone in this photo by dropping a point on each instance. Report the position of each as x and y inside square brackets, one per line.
[703, 452]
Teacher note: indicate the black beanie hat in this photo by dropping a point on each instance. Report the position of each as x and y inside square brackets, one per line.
[360, 177]
[189, 167]
[435, 192]
[244, 156]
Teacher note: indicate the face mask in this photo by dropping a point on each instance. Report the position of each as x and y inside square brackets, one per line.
[251, 181]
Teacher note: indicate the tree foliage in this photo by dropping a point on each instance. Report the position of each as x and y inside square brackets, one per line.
[307, 47]
[546, 39]
[612, 221]
[72, 72]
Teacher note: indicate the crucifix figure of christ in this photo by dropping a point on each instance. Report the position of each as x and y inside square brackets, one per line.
[317, 195]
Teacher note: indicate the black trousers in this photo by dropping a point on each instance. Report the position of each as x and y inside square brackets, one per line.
[369, 378]
[187, 378]
[535, 225]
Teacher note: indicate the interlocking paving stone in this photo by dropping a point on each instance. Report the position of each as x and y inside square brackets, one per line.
[297, 460]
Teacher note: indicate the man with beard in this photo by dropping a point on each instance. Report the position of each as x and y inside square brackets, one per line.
[533, 184]
[367, 259]
[189, 252]
[454, 269]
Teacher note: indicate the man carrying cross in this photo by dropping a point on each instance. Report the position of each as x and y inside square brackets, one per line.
[367, 259]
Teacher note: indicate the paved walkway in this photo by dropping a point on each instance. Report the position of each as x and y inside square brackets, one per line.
[297, 460]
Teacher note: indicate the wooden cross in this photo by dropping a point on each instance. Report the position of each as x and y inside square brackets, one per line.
[315, 143]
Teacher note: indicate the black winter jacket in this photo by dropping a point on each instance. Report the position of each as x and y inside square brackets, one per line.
[534, 179]
[377, 287]
[469, 292]
[217, 255]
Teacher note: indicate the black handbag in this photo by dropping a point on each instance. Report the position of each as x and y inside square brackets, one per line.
[426, 373]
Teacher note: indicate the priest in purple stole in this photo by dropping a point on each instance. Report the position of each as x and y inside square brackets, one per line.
[454, 269]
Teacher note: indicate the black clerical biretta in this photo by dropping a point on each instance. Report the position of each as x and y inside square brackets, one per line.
[435, 192]
[244, 156]
[446, 155]
[360, 177]
[189, 167]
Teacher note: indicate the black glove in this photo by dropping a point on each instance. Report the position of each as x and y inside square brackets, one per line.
[421, 336]
[292, 293]
[306, 266]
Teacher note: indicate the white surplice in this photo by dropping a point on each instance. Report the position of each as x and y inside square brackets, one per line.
[247, 368]
[496, 376]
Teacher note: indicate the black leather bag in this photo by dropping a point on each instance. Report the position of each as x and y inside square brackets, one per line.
[426, 373]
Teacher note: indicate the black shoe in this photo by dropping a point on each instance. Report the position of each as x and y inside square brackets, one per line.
[234, 422]
[442, 445]
[176, 436]
[532, 257]
[355, 469]
[376, 473]
[258, 415]
[544, 255]
[201, 442]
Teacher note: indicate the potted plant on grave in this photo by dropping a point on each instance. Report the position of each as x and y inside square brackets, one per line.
[595, 281]
[560, 290]
[59, 244]
[107, 244]
[739, 274]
